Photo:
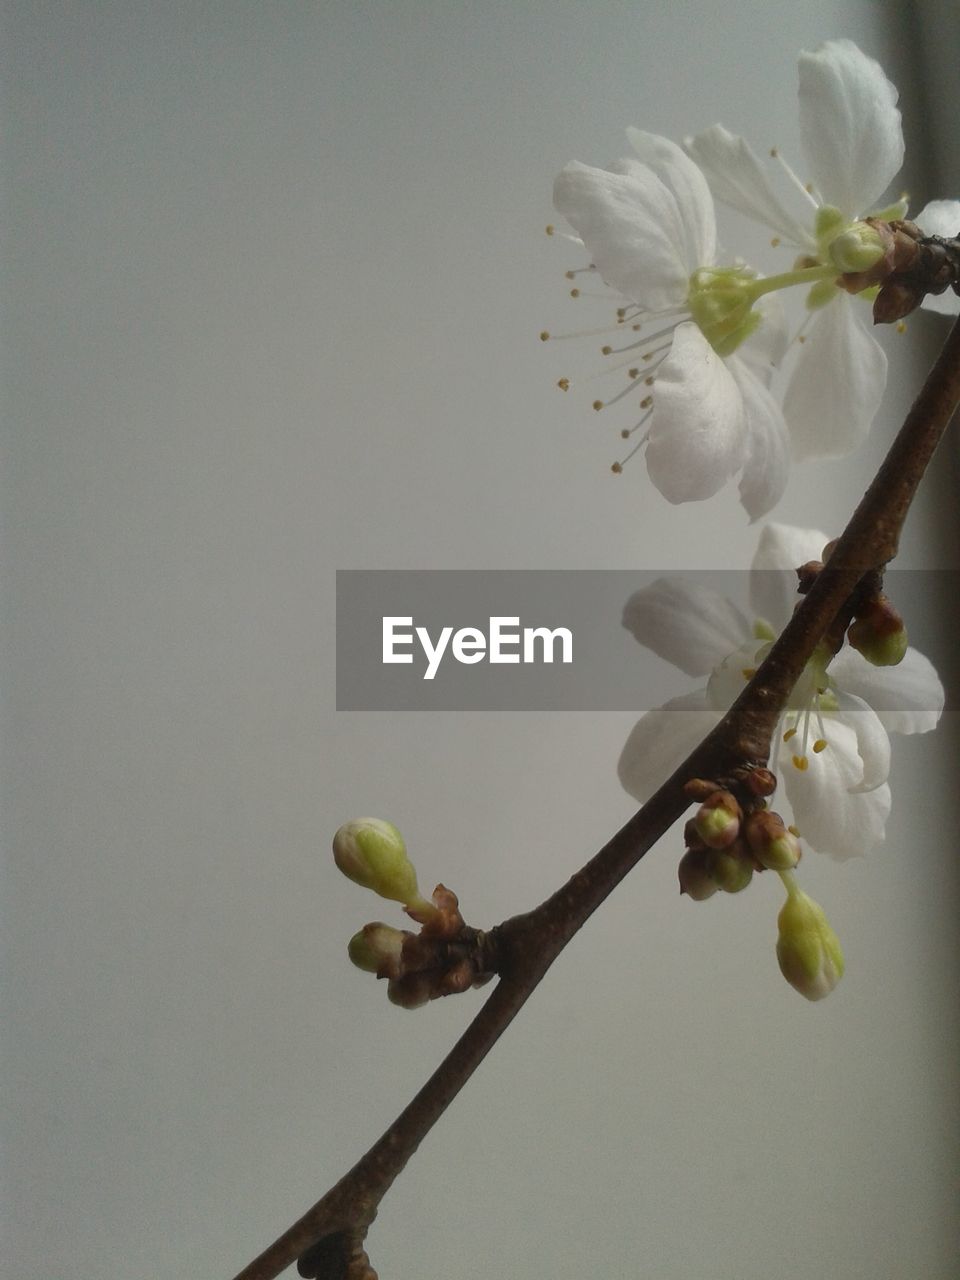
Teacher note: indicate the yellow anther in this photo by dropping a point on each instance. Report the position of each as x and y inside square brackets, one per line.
[901, 326]
[646, 402]
[649, 380]
[749, 672]
[775, 242]
[616, 468]
[550, 228]
[564, 384]
[570, 274]
[791, 733]
[633, 373]
[624, 433]
[801, 763]
[819, 745]
[544, 336]
[794, 831]
[574, 293]
[598, 405]
[606, 351]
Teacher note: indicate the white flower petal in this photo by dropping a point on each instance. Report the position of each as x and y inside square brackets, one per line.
[940, 218]
[850, 126]
[661, 740]
[873, 742]
[767, 464]
[631, 227]
[694, 202]
[737, 178]
[837, 384]
[697, 428]
[907, 698]
[685, 623]
[831, 815]
[782, 549]
[767, 345]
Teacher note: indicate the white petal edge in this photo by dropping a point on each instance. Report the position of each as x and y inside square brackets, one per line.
[781, 550]
[766, 467]
[849, 125]
[694, 202]
[686, 623]
[907, 698]
[837, 384]
[873, 741]
[737, 179]
[661, 740]
[631, 229]
[697, 430]
[832, 817]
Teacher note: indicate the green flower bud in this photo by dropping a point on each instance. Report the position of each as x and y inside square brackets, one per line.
[808, 950]
[694, 875]
[857, 249]
[717, 822]
[773, 846]
[879, 634]
[377, 948]
[371, 852]
[731, 871]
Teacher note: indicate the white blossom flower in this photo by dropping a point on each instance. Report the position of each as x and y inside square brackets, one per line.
[702, 373]
[831, 749]
[851, 134]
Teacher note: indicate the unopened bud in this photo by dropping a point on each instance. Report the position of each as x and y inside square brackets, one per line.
[717, 821]
[808, 950]
[372, 853]
[377, 948]
[761, 782]
[731, 870]
[773, 846]
[859, 247]
[879, 634]
[413, 990]
[694, 875]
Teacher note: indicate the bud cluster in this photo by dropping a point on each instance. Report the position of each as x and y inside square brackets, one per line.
[445, 957]
[733, 835]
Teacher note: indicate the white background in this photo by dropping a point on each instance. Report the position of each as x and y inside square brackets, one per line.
[274, 281]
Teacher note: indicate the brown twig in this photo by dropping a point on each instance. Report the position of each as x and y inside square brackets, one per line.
[528, 944]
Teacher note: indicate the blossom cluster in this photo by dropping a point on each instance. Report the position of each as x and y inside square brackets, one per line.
[723, 392]
[706, 334]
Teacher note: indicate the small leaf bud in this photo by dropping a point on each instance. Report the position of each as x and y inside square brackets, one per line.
[717, 821]
[377, 948]
[808, 950]
[773, 846]
[372, 853]
[731, 870]
[694, 875]
[879, 634]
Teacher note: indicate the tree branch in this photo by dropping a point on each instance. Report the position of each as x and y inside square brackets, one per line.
[330, 1235]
